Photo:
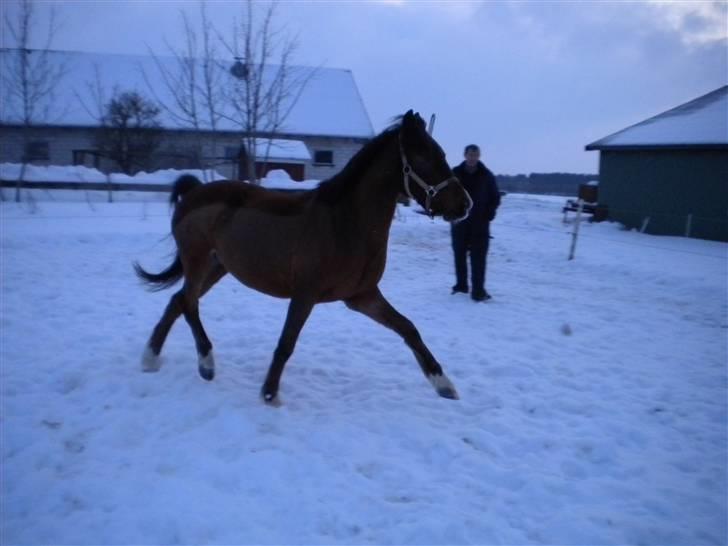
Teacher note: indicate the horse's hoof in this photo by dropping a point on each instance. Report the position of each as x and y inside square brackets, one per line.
[208, 374]
[444, 387]
[450, 394]
[271, 399]
[270, 396]
[150, 361]
[206, 366]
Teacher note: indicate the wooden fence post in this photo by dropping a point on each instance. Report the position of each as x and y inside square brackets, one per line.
[575, 233]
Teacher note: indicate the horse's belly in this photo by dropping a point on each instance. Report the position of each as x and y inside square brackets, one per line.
[257, 251]
[351, 278]
[281, 255]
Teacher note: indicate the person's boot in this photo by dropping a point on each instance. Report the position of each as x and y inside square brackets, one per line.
[460, 288]
[480, 295]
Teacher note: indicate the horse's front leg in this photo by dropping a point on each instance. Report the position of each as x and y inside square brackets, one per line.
[376, 307]
[298, 312]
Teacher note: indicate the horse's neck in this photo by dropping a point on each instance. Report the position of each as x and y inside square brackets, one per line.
[375, 198]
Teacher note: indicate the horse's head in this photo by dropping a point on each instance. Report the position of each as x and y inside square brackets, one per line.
[427, 177]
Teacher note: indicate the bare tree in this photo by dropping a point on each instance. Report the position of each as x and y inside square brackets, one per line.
[266, 86]
[97, 95]
[130, 131]
[30, 75]
[193, 82]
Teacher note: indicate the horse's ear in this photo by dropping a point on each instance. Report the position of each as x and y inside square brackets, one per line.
[412, 121]
[408, 121]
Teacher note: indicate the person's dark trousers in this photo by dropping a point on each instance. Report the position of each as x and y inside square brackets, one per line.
[460, 234]
[468, 237]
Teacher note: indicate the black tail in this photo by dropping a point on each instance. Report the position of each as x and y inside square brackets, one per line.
[168, 277]
[184, 183]
[163, 279]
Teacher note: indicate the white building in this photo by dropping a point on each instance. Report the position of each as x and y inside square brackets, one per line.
[326, 126]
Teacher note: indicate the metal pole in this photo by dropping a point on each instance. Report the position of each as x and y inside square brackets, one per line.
[689, 225]
[575, 234]
[644, 224]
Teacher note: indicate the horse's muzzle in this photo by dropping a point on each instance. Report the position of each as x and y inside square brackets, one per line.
[464, 208]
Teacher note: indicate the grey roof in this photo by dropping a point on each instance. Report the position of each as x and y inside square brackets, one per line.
[700, 123]
[330, 104]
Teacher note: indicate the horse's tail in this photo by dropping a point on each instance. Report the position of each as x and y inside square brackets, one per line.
[173, 273]
[163, 279]
[184, 183]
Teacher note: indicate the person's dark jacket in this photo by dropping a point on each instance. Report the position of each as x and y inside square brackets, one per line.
[483, 190]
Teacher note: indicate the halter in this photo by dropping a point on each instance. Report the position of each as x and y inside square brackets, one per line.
[430, 191]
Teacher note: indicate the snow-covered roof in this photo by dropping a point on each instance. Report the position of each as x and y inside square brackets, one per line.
[702, 122]
[282, 150]
[329, 105]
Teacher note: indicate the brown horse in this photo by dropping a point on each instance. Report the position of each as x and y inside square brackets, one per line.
[315, 246]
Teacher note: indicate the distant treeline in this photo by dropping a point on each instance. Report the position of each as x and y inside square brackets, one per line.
[544, 183]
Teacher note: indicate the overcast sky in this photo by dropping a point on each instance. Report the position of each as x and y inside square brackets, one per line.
[531, 82]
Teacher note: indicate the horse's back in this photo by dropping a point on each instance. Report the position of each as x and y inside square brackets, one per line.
[234, 195]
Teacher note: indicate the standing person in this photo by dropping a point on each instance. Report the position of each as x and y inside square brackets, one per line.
[473, 233]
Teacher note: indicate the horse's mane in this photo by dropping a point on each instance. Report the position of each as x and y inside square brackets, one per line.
[339, 185]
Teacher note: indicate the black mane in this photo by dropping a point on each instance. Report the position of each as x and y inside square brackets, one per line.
[333, 189]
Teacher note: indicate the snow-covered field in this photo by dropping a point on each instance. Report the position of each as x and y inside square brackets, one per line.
[592, 411]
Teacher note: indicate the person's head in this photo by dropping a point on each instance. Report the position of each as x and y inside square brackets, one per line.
[472, 155]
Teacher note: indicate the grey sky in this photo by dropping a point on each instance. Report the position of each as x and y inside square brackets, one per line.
[531, 82]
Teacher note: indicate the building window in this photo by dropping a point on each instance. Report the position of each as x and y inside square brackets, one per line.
[87, 158]
[323, 157]
[37, 150]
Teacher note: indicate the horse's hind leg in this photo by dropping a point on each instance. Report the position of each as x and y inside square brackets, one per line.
[195, 275]
[150, 360]
[376, 307]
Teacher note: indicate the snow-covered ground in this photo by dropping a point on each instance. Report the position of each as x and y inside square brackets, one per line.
[592, 411]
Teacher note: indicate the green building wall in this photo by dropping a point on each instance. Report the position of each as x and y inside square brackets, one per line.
[666, 186]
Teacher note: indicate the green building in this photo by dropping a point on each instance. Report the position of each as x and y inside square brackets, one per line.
[668, 174]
